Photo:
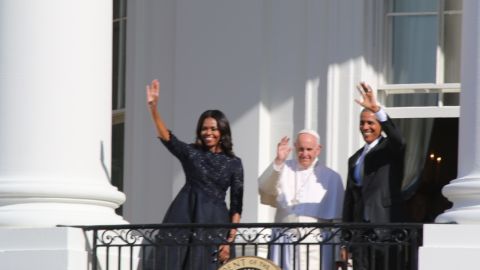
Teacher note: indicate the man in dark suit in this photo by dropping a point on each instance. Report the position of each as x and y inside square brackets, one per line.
[375, 174]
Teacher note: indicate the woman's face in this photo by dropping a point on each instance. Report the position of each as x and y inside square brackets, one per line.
[210, 134]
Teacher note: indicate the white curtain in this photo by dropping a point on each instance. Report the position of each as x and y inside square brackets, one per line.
[414, 43]
[417, 133]
[414, 40]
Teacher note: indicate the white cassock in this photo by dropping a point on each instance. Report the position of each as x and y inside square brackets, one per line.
[314, 194]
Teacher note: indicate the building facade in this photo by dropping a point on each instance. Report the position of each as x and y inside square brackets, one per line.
[274, 67]
[277, 67]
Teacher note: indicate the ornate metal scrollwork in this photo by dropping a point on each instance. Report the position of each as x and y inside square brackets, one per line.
[253, 238]
[311, 234]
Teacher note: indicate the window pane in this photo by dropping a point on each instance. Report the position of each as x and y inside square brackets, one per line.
[453, 5]
[118, 93]
[430, 164]
[451, 99]
[452, 46]
[414, 45]
[117, 156]
[412, 100]
[119, 8]
[118, 76]
[414, 5]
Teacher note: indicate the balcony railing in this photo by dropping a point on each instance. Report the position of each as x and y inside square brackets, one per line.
[305, 246]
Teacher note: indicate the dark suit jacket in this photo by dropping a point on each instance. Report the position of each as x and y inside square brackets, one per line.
[379, 198]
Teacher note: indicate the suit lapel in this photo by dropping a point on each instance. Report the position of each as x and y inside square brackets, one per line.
[368, 180]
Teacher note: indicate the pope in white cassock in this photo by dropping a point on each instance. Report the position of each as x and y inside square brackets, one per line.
[302, 190]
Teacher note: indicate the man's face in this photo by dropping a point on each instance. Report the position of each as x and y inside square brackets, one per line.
[307, 149]
[369, 126]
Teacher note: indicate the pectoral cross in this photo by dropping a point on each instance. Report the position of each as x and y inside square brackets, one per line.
[294, 201]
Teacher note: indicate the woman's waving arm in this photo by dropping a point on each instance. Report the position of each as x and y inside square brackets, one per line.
[153, 91]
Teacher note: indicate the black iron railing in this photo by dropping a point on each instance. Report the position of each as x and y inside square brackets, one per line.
[305, 246]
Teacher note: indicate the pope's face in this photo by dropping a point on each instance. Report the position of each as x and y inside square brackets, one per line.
[307, 149]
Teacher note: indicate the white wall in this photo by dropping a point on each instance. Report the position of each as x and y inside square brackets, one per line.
[329, 42]
[150, 54]
[253, 60]
[206, 55]
[218, 64]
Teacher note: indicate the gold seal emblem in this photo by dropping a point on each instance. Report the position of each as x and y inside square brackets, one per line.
[249, 262]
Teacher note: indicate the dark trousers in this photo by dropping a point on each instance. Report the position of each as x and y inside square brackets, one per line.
[369, 257]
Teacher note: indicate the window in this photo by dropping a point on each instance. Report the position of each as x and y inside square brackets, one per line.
[422, 53]
[420, 90]
[430, 163]
[118, 91]
[119, 40]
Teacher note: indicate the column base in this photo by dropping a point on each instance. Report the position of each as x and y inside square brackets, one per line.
[465, 194]
[48, 203]
[52, 214]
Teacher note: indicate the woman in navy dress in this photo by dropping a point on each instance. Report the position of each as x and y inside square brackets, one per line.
[210, 168]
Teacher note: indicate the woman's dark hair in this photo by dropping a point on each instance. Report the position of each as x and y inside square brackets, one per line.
[223, 126]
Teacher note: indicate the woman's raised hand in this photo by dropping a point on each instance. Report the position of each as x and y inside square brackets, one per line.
[153, 91]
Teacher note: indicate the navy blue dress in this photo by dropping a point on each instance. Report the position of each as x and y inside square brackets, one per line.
[202, 199]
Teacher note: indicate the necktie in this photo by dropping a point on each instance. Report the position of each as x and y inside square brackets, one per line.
[358, 169]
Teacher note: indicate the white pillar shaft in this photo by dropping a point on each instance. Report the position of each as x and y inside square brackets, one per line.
[464, 191]
[55, 113]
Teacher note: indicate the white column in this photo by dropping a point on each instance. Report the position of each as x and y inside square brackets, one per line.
[55, 113]
[464, 191]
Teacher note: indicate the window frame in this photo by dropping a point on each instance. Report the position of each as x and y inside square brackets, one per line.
[118, 93]
[439, 87]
